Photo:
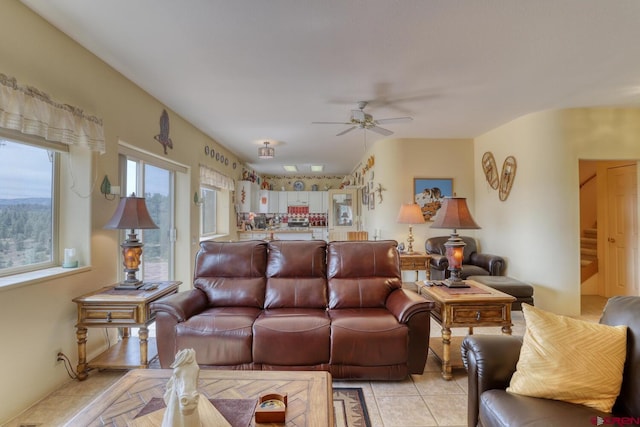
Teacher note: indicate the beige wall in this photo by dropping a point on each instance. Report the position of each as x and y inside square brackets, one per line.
[397, 163]
[38, 320]
[537, 227]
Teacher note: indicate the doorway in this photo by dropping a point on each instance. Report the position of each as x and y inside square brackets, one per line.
[609, 207]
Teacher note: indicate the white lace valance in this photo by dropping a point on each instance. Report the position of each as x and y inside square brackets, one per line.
[215, 179]
[27, 110]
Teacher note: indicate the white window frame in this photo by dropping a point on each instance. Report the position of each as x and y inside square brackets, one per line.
[73, 184]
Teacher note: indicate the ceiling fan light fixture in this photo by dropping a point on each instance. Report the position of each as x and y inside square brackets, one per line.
[266, 152]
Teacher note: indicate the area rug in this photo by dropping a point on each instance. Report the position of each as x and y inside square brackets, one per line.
[350, 408]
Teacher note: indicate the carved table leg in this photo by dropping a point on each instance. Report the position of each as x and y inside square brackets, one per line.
[446, 354]
[506, 330]
[81, 336]
[143, 335]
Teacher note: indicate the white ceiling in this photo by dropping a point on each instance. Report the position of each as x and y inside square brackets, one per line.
[245, 71]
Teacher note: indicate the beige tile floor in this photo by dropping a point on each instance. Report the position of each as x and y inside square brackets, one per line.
[421, 400]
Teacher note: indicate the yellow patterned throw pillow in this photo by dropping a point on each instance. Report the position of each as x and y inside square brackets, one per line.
[570, 360]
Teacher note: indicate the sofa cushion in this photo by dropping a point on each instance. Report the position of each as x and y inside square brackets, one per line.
[232, 274]
[291, 337]
[220, 336]
[362, 273]
[232, 291]
[296, 274]
[231, 259]
[367, 337]
[570, 360]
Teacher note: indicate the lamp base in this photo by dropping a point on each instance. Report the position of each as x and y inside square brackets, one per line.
[454, 281]
[129, 285]
[455, 284]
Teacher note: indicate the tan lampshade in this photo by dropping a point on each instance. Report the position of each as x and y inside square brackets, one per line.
[410, 213]
[131, 214]
[454, 213]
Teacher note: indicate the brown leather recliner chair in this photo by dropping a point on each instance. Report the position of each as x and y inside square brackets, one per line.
[473, 263]
[491, 361]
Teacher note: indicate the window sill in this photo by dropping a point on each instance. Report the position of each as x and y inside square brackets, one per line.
[39, 276]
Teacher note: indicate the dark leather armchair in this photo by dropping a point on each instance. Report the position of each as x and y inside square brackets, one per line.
[473, 263]
[491, 361]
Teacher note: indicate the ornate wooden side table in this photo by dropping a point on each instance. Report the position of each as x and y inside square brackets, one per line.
[415, 262]
[124, 309]
[475, 306]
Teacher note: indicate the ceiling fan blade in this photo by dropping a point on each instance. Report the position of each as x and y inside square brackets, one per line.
[330, 123]
[346, 130]
[381, 131]
[395, 120]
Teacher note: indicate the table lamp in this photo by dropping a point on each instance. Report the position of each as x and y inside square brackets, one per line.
[410, 213]
[131, 214]
[455, 214]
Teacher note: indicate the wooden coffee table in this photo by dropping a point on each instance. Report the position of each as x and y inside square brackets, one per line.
[310, 400]
[475, 306]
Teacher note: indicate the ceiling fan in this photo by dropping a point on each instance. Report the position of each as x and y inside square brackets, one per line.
[361, 120]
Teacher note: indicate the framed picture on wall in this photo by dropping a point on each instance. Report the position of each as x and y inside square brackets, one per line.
[365, 196]
[428, 193]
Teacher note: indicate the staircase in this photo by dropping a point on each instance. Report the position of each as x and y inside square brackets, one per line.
[588, 253]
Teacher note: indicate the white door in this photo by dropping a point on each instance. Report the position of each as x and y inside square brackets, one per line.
[622, 232]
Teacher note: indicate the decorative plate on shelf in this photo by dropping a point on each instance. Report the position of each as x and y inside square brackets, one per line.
[298, 186]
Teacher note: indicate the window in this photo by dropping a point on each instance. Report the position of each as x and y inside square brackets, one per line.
[208, 213]
[28, 213]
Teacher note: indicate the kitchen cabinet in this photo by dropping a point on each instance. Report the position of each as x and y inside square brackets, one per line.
[282, 202]
[298, 198]
[317, 201]
[247, 196]
[269, 201]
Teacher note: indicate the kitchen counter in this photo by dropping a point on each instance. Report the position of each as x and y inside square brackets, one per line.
[281, 230]
[285, 233]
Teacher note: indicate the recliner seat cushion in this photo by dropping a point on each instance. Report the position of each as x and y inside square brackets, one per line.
[227, 331]
[292, 337]
[367, 337]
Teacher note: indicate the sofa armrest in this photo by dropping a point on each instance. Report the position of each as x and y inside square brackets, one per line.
[414, 311]
[170, 311]
[494, 264]
[438, 262]
[403, 304]
[182, 305]
[490, 361]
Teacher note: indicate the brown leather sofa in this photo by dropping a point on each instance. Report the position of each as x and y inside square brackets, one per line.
[298, 305]
[474, 263]
[491, 361]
